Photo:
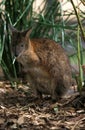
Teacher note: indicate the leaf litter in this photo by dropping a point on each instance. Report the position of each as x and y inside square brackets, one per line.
[19, 111]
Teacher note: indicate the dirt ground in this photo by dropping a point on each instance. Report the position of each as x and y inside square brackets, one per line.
[19, 111]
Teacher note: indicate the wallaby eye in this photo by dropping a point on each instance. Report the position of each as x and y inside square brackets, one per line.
[22, 45]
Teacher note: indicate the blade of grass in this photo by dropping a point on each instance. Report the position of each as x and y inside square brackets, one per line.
[26, 10]
[80, 78]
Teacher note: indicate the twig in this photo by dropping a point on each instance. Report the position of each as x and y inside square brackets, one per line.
[77, 123]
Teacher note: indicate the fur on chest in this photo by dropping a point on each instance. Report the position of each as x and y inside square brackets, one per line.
[39, 77]
[37, 71]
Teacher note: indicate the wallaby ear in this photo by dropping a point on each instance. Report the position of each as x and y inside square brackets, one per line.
[12, 29]
[28, 33]
[30, 47]
[27, 38]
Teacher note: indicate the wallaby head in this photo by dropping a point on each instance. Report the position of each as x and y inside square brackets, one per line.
[20, 40]
[22, 47]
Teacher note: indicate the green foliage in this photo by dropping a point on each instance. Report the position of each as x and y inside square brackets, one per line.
[80, 55]
[50, 22]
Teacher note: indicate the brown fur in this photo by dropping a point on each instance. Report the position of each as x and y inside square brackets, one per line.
[45, 63]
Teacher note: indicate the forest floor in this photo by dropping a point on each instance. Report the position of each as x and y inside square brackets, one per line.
[19, 111]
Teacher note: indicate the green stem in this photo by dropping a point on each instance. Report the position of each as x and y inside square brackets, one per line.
[78, 19]
[79, 63]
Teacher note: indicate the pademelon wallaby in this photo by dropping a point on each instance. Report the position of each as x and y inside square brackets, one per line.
[44, 61]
